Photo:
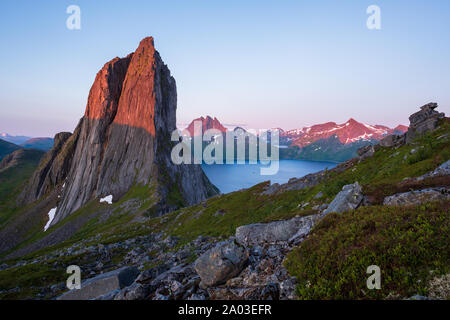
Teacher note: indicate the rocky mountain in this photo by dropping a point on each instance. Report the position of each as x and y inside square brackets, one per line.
[13, 139]
[44, 144]
[322, 142]
[207, 123]
[347, 132]
[122, 141]
[7, 148]
[326, 149]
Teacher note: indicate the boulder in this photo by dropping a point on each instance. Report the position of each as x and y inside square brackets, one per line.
[366, 151]
[442, 170]
[349, 198]
[102, 284]
[393, 140]
[418, 196]
[423, 121]
[223, 262]
[273, 232]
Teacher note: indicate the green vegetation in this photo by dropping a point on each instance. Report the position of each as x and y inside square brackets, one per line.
[28, 278]
[7, 148]
[405, 242]
[12, 179]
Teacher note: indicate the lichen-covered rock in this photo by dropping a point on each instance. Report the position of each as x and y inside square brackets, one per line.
[442, 170]
[423, 121]
[273, 232]
[52, 169]
[417, 196]
[102, 284]
[223, 262]
[393, 140]
[349, 198]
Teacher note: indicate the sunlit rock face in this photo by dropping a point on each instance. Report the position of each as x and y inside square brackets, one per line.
[124, 137]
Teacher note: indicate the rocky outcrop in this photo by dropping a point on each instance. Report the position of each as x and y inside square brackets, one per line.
[417, 197]
[274, 232]
[366, 151]
[20, 157]
[102, 284]
[423, 121]
[52, 169]
[349, 198]
[123, 140]
[223, 262]
[442, 170]
[393, 140]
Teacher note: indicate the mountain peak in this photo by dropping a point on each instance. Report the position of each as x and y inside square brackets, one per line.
[207, 123]
[352, 121]
[122, 139]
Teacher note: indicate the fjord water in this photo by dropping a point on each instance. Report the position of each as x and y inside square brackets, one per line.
[232, 177]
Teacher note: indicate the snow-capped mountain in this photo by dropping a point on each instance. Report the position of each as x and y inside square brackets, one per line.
[348, 132]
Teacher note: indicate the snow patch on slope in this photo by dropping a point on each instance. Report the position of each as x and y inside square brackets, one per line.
[51, 216]
[107, 199]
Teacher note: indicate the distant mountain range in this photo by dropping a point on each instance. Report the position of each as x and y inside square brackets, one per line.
[348, 132]
[13, 139]
[41, 143]
[324, 142]
[44, 144]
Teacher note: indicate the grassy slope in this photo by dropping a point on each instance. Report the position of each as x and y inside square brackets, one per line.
[7, 148]
[12, 180]
[406, 243]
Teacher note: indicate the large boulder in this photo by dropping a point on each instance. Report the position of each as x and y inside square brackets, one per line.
[223, 262]
[102, 284]
[417, 197]
[423, 121]
[393, 140]
[274, 232]
[349, 198]
[366, 151]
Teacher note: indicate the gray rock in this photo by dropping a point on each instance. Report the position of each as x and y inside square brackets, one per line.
[102, 284]
[272, 189]
[136, 291]
[273, 232]
[223, 262]
[423, 121]
[418, 196]
[366, 151]
[348, 199]
[393, 140]
[318, 195]
[442, 170]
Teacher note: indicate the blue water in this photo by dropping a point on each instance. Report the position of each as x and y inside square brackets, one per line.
[232, 177]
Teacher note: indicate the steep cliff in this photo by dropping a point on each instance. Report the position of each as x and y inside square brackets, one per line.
[123, 140]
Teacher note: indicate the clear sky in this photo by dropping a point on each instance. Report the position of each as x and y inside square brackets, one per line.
[260, 63]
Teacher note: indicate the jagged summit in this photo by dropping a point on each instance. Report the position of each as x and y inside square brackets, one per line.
[124, 139]
[207, 123]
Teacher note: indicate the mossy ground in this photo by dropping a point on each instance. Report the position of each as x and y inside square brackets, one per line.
[409, 244]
